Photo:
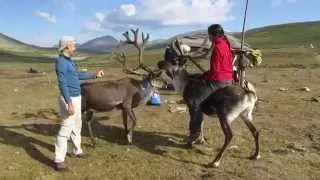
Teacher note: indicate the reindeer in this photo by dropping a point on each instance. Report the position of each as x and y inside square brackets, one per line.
[124, 94]
[227, 103]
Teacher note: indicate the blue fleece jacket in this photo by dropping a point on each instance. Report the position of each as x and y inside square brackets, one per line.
[69, 77]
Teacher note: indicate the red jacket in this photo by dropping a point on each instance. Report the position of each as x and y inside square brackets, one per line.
[220, 62]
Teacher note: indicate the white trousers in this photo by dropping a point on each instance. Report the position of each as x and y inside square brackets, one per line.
[70, 129]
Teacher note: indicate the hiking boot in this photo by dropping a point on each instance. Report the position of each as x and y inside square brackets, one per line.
[81, 155]
[60, 166]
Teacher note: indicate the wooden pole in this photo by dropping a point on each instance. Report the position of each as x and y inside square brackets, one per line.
[241, 67]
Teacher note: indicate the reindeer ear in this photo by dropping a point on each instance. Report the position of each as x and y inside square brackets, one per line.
[161, 64]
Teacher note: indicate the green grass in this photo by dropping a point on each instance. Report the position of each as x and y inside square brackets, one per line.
[28, 126]
[28, 129]
[285, 35]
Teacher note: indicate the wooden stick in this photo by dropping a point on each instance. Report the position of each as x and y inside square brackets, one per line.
[197, 64]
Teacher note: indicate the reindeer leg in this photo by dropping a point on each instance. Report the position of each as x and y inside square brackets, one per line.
[132, 125]
[125, 121]
[201, 139]
[196, 119]
[247, 118]
[89, 119]
[228, 137]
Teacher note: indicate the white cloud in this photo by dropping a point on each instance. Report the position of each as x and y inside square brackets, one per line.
[181, 12]
[164, 13]
[128, 9]
[96, 24]
[281, 2]
[47, 16]
[100, 16]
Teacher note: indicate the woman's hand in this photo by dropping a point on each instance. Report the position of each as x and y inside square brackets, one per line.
[71, 109]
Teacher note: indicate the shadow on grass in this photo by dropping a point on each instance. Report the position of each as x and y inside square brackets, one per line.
[10, 137]
[148, 141]
[145, 140]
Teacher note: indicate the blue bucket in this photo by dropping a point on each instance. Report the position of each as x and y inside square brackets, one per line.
[155, 99]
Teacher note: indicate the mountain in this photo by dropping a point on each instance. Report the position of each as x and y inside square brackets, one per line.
[11, 46]
[100, 44]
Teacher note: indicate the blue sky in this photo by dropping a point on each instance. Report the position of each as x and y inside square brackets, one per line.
[43, 22]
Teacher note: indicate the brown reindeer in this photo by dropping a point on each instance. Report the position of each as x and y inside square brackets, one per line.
[123, 94]
[227, 103]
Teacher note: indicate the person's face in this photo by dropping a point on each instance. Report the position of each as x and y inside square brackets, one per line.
[71, 48]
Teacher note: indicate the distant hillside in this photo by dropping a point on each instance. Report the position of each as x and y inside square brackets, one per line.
[11, 45]
[285, 35]
[100, 44]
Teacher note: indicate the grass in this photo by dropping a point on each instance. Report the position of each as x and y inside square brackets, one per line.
[286, 35]
[29, 123]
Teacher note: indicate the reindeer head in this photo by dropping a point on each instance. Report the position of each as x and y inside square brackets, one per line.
[177, 53]
[176, 56]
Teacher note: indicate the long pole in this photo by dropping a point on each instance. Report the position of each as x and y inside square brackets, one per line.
[241, 68]
[244, 24]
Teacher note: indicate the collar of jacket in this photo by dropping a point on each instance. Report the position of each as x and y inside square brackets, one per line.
[66, 57]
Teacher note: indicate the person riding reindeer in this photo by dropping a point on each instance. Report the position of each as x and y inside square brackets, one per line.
[220, 73]
[218, 76]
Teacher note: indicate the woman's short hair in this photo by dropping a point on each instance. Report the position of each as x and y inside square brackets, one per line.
[215, 30]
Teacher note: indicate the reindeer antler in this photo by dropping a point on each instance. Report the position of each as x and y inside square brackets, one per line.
[176, 45]
[122, 59]
[140, 46]
[145, 38]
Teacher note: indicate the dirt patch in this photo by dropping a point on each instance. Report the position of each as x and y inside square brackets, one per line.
[48, 114]
[12, 74]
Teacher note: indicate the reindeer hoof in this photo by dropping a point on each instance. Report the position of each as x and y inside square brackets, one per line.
[216, 164]
[213, 165]
[255, 157]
